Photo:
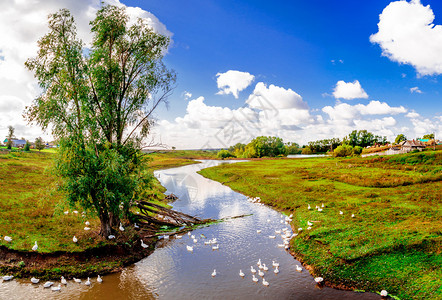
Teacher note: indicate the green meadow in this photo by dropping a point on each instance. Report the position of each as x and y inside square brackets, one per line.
[394, 240]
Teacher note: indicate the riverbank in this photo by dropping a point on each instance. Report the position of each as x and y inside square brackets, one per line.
[394, 240]
[32, 209]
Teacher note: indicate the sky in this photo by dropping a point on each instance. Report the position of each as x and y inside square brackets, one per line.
[299, 70]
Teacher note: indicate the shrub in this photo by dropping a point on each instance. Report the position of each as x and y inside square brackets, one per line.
[27, 146]
[224, 154]
[357, 150]
[307, 150]
[343, 151]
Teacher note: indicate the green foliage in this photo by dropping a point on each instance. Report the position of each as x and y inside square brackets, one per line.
[343, 151]
[238, 150]
[91, 100]
[307, 150]
[224, 154]
[293, 148]
[324, 145]
[27, 146]
[357, 150]
[10, 136]
[401, 137]
[364, 138]
[428, 136]
[39, 144]
[267, 146]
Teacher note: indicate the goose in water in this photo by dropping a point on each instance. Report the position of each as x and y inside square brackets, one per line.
[216, 247]
[254, 278]
[143, 244]
[7, 277]
[35, 247]
[260, 266]
[214, 273]
[189, 248]
[35, 280]
[241, 273]
[281, 245]
[88, 282]
[275, 264]
[99, 279]
[272, 236]
[259, 262]
[207, 242]
[278, 231]
[265, 282]
[265, 268]
[252, 270]
[195, 240]
[178, 236]
[188, 233]
[260, 273]
[77, 280]
[48, 284]
[74, 239]
[192, 236]
[276, 270]
[8, 238]
[63, 280]
[121, 227]
[258, 231]
[298, 268]
[56, 288]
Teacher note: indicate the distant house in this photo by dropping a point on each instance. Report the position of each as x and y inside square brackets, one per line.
[16, 143]
[408, 145]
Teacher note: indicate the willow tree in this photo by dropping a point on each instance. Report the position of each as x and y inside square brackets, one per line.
[98, 102]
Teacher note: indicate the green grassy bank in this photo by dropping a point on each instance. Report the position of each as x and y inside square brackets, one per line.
[32, 209]
[394, 240]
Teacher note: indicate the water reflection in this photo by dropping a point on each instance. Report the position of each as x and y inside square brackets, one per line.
[172, 272]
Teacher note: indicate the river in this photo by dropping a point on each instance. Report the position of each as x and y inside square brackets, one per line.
[173, 272]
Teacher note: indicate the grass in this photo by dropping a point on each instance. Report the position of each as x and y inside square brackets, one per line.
[394, 242]
[32, 209]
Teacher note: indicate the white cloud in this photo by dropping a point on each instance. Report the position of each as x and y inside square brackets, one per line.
[407, 35]
[275, 97]
[22, 23]
[349, 90]
[412, 115]
[415, 90]
[187, 95]
[379, 108]
[233, 82]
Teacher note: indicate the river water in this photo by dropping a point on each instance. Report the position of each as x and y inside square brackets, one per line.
[173, 272]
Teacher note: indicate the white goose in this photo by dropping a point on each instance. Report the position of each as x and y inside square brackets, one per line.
[260, 273]
[121, 227]
[136, 226]
[254, 278]
[272, 236]
[63, 280]
[111, 237]
[35, 280]
[88, 281]
[8, 238]
[340, 212]
[215, 247]
[264, 267]
[87, 223]
[259, 262]
[56, 288]
[319, 279]
[99, 279]
[265, 282]
[276, 271]
[298, 268]
[189, 248]
[384, 293]
[258, 231]
[35, 247]
[214, 273]
[309, 207]
[7, 277]
[241, 273]
[48, 284]
[252, 269]
[178, 236]
[195, 241]
[74, 239]
[309, 223]
[143, 244]
[77, 280]
[275, 264]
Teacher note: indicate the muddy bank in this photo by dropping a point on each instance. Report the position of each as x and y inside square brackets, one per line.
[91, 262]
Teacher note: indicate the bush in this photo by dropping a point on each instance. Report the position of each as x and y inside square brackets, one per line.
[343, 151]
[357, 150]
[27, 146]
[224, 154]
[307, 150]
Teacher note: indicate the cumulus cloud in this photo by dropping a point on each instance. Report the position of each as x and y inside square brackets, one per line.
[22, 23]
[407, 35]
[187, 95]
[415, 90]
[412, 115]
[275, 97]
[349, 90]
[233, 82]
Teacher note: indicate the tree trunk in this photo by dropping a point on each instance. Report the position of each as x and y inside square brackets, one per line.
[114, 220]
[106, 228]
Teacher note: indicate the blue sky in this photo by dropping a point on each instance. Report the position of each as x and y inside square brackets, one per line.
[312, 61]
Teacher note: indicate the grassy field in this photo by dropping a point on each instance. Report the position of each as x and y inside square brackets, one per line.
[394, 240]
[31, 208]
